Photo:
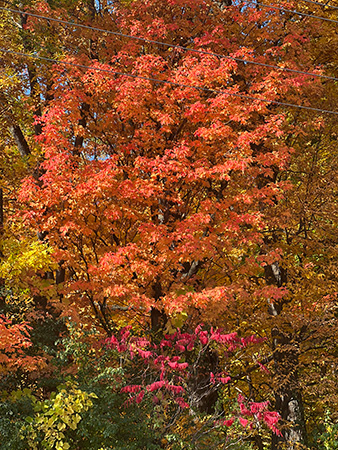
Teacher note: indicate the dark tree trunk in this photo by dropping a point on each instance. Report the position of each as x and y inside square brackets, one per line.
[20, 140]
[158, 317]
[83, 123]
[288, 398]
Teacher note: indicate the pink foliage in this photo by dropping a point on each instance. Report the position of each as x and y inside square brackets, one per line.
[173, 371]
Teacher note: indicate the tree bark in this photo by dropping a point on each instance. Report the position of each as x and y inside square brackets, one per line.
[288, 398]
[158, 317]
[20, 140]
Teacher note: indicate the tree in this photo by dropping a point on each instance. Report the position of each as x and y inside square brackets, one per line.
[167, 203]
[186, 155]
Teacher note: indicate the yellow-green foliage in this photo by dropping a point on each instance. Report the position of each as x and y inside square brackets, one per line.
[57, 415]
[22, 257]
[22, 260]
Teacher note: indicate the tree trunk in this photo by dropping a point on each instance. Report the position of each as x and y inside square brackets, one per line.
[20, 140]
[288, 398]
[158, 317]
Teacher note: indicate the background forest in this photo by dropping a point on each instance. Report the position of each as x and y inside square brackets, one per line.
[168, 221]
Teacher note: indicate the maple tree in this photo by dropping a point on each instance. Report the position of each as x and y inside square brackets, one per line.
[170, 204]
